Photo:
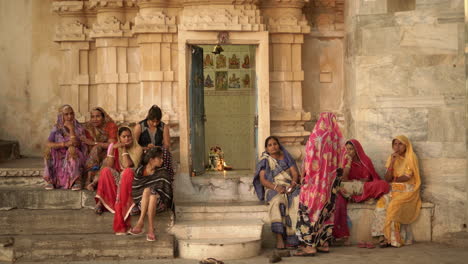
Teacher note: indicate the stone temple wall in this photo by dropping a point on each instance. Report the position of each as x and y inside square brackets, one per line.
[405, 74]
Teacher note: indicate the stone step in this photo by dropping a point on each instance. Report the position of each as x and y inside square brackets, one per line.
[23, 172]
[202, 229]
[221, 211]
[221, 248]
[39, 198]
[81, 221]
[90, 247]
[233, 185]
[9, 150]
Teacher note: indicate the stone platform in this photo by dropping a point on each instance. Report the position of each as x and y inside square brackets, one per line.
[57, 225]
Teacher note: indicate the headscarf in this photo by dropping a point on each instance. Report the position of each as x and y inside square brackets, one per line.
[321, 161]
[404, 208]
[99, 133]
[365, 160]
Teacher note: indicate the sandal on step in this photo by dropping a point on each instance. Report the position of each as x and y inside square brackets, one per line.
[150, 237]
[383, 243]
[301, 253]
[210, 261]
[98, 210]
[370, 245]
[323, 249]
[362, 244]
[76, 187]
[135, 233]
[49, 186]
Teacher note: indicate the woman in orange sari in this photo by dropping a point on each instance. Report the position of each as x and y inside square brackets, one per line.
[396, 210]
[101, 131]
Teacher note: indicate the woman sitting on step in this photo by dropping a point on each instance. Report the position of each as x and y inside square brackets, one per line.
[64, 156]
[360, 182]
[396, 210]
[275, 182]
[152, 132]
[101, 131]
[151, 191]
[114, 190]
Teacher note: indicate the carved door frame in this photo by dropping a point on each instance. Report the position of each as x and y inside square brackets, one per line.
[187, 38]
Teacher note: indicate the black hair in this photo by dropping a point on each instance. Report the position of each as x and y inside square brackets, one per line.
[122, 129]
[154, 113]
[151, 154]
[100, 111]
[349, 143]
[271, 137]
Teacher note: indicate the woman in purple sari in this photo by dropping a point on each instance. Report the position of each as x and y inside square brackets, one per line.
[64, 157]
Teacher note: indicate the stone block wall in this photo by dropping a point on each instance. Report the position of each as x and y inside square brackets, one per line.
[405, 74]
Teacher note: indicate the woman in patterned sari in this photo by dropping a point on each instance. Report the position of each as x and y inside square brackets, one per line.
[64, 157]
[101, 131]
[360, 182]
[396, 210]
[275, 182]
[319, 186]
[114, 190]
[151, 191]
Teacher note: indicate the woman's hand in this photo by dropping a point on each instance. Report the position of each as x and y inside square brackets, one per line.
[68, 143]
[151, 146]
[280, 189]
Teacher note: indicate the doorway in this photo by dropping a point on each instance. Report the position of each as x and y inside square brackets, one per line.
[223, 106]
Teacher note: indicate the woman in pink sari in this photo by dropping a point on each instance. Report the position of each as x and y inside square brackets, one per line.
[319, 186]
[360, 182]
[114, 190]
[65, 153]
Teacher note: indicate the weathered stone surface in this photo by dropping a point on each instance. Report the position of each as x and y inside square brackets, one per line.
[445, 125]
[430, 39]
[380, 40]
[384, 124]
[95, 247]
[83, 221]
[26, 198]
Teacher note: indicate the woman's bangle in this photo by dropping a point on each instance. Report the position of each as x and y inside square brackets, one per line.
[276, 185]
[125, 153]
[110, 156]
[72, 136]
[95, 143]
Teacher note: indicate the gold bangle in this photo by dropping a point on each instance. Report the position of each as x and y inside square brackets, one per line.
[125, 153]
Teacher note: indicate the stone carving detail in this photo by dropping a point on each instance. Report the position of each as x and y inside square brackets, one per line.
[326, 15]
[75, 31]
[111, 27]
[229, 18]
[156, 22]
[67, 6]
[288, 24]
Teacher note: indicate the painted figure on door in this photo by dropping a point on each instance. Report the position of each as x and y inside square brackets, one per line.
[221, 80]
[208, 62]
[246, 81]
[220, 61]
[208, 81]
[234, 62]
[246, 64]
[234, 81]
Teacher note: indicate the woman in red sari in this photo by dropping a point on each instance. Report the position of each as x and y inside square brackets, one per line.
[360, 182]
[114, 190]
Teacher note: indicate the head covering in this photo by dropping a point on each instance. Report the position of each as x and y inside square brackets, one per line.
[365, 160]
[135, 151]
[321, 161]
[405, 206]
[101, 133]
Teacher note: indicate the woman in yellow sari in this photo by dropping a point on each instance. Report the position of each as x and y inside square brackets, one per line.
[399, 208]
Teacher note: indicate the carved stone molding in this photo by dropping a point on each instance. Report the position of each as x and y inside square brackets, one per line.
[222, 18]
[67, 6]
[326, 15]
[74, 31]
[155, 22]
[284, 3]
[111, 27]
[110, 3]
[288, 24]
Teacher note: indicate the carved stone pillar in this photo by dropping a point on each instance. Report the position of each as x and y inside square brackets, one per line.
[156, 33]
[112, 34]
[286, 25]
[74, 44]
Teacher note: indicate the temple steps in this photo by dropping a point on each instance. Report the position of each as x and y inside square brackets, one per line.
[221, 211]
[58, 225]
[220, 248]
[82, 221]
[73, 247]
